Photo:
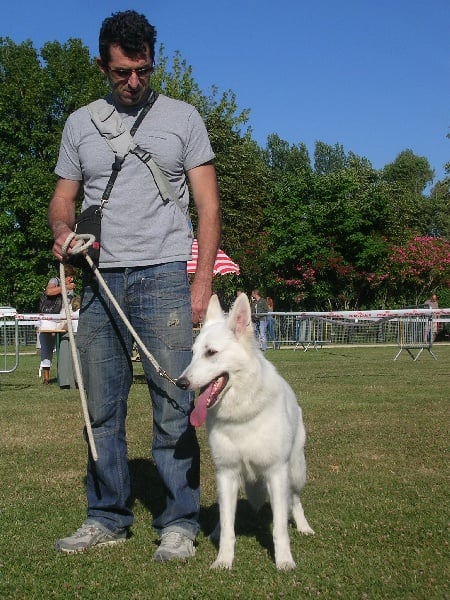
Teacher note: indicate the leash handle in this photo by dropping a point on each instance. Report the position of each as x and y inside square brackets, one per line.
[83, 241]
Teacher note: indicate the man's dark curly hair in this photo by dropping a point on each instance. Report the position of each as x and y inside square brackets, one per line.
[129, 30]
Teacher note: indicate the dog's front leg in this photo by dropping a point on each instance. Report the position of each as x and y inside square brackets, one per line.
[228, 488]
[279, 490]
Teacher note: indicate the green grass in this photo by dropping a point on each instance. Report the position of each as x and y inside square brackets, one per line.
[377, 493]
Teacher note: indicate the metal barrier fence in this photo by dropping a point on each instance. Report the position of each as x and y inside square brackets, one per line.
[26, 334]
[416, 333]
[408, 329]
[9, 339]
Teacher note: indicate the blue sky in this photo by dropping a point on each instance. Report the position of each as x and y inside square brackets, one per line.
[372, 75]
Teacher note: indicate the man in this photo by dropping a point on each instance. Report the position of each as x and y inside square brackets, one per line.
[432, 302]
[259, 317]
[145, 243]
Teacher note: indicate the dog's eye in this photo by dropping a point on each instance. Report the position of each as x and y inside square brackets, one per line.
[211, 352]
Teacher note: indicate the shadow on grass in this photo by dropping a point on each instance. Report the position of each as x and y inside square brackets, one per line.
[248, 523]
[16, 386]
[147, 488]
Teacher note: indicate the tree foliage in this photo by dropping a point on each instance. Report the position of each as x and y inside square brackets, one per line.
[37, 92]
[331, 227]
[327, 233]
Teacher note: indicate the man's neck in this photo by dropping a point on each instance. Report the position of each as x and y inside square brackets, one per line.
[131, 109]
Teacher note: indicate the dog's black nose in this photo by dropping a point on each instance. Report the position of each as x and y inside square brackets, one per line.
[183, 383]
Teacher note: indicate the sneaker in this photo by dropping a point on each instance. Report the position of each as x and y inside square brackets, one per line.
[174, 545]
[91, 533]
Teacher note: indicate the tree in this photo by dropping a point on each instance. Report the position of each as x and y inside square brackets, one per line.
[324, 230]
[439, 207]
[241, 168]
[408, 213]
[317, 237]
[176, 80]
[411, 172]
[283, 157]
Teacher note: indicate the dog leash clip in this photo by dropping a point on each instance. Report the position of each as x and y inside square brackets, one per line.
[166, 376]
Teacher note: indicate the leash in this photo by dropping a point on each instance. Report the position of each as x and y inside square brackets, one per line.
[82, 243]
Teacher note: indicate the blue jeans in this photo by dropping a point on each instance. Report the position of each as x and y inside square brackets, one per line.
[156, 301]
[261, 335]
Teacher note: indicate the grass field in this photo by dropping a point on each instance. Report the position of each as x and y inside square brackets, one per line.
[377, 493]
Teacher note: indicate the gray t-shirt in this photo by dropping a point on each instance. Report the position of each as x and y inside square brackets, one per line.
[138, 227]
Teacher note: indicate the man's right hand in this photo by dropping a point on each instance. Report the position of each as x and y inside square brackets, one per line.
[60, 240]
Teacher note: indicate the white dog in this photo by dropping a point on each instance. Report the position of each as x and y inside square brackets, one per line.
[254, 424]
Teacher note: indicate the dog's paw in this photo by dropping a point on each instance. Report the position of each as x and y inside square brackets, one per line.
[283, 558]
[286, 565]
[301, 523]
[222, 564]
[306, 530]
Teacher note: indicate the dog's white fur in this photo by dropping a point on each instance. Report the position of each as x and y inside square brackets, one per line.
[255, 429]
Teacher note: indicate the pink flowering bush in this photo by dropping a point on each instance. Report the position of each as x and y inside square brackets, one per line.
[408, 275]
[413, 270]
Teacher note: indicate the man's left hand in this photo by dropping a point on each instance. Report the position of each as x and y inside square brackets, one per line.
[200, 295]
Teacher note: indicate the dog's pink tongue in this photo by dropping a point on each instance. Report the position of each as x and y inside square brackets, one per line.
[198, 415]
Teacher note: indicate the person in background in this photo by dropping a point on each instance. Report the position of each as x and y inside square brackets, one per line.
[432, 302]
[146, 241]
[66, 371]
[270, 321]
[47, 327]
[259, 316]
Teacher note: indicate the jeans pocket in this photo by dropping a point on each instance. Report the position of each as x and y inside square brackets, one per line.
[165, 308]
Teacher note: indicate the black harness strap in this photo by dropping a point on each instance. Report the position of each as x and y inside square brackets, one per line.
[118, 160]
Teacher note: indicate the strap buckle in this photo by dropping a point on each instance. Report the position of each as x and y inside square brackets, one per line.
[118, 162]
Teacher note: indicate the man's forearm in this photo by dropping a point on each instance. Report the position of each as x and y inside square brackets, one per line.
[208, 238]
[61, 220]
[61, 216]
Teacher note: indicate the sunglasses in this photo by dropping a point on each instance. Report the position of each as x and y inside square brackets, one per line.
[119, 73]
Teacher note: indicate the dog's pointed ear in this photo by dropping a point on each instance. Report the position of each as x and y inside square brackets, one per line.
[214, 311]
[239, 319]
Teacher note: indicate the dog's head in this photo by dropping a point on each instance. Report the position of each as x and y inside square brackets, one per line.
[220, 351]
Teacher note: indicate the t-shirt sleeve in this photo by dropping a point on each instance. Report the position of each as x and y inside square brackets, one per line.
[68, 165]
[198, 149]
